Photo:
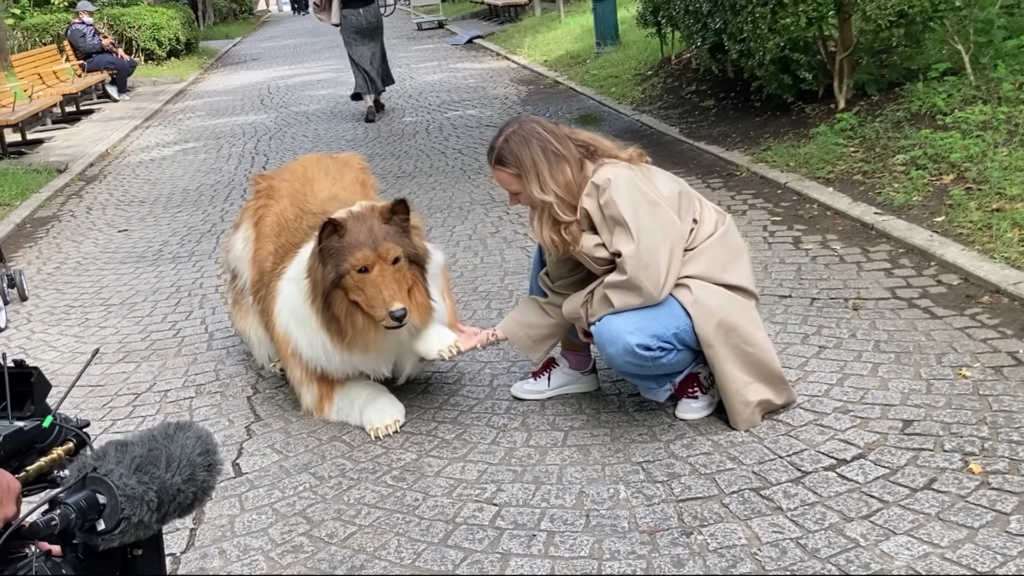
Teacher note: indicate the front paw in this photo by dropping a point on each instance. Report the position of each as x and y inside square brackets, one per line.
[438, 343]
[383, 416]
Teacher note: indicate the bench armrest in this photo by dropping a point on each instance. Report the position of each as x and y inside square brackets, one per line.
[17, 84]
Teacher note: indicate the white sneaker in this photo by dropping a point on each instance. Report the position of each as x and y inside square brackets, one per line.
[554, 378]
[697, 393]
[124, 97]
[111, 91]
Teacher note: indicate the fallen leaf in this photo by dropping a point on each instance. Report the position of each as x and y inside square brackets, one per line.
[939, 219]
[857, 304]
[983, 300]
[974, 468]
[964, 373]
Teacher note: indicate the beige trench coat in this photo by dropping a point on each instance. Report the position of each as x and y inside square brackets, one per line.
[648, 234]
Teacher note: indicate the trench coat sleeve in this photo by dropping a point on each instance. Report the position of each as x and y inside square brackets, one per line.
[646, 239]
[536, 324]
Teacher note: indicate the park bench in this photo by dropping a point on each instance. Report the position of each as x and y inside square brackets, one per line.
[22, 115]
[47, 72]
[427, 12]
[513, 10]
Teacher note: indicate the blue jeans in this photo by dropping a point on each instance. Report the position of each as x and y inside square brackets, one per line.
[652, 347]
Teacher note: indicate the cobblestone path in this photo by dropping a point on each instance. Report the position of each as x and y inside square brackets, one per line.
[906, 375]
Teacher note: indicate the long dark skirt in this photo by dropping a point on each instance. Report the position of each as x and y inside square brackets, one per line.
[362, 31]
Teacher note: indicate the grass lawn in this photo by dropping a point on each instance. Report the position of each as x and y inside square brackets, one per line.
[941, 140]
[567, 46]
[17, 184]
[231, 30]
[180, 67]
[460, 7]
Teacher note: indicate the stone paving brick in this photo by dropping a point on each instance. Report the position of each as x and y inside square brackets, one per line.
[866, 474]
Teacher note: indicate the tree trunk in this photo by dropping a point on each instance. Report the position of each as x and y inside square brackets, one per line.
[5, 53]
[846, 42]
[203, 9]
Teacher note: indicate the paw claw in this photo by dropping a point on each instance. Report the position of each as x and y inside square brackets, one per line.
[276, 367]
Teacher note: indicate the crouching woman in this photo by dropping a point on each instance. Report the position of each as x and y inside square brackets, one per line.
[634, 261]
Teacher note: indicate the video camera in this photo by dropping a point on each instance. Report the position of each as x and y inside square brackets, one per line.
[37, 445]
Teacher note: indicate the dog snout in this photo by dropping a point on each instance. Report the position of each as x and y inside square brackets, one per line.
[398, 315]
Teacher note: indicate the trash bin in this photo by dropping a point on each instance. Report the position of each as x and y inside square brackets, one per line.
[606, 24]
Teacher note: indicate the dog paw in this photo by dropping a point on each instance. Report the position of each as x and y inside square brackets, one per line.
[276, 367]
[383, 415]
[438, 343]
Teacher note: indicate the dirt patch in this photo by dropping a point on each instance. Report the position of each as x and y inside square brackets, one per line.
[725, 111]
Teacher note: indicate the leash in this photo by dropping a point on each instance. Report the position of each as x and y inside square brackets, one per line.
[384, 5]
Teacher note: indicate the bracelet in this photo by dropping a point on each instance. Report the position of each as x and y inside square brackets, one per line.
[491, 336]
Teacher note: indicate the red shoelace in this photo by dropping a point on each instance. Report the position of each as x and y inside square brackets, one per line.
[545, 369]
[692, 386]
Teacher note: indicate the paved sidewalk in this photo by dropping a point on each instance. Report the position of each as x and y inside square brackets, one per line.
[906, 376]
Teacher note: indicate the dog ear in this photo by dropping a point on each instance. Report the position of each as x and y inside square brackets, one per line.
[399, 215]
[330, 229]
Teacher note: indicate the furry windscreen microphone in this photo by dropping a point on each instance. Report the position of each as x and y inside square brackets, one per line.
[161, 474]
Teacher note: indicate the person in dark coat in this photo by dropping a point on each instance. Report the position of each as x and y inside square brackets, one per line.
[362, 32]
[99, 52]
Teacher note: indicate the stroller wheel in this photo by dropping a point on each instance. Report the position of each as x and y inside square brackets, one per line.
[20, 284]
[3, 317]
[5, 294]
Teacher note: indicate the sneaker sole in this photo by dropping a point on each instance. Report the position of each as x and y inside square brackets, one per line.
[574, 389]
[698, 415]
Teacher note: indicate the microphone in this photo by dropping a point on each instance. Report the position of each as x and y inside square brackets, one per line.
[135, 486]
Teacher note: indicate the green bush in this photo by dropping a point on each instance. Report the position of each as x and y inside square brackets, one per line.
[36, 31]
[152, 32]
[840, 46]
[148, 32]
[229, 10]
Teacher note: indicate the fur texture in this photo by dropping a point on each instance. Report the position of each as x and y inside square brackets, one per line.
[338, 288]
[161, 474]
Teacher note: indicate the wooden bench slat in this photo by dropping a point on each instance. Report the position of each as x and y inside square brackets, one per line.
[25, 110]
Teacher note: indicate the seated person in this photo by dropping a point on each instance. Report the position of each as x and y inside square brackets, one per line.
[99, 51]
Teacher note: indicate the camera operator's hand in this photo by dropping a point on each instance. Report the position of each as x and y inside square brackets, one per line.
[10, 506]
[10, 497]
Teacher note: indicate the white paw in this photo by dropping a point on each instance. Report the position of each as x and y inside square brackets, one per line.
[276, 367]
[437, 342]
[382, 415]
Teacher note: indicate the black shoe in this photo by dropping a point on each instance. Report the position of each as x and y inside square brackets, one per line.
[371, 115]
[378, 105]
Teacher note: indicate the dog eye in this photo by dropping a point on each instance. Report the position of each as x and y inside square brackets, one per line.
[363, 270]
[396, 260]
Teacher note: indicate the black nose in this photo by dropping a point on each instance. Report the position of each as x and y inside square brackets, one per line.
[398, 316]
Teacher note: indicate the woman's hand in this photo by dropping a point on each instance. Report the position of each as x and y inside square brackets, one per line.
[471, 338]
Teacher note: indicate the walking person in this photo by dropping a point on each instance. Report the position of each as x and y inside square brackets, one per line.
[98, 51]
[362, 32]
[634, 261]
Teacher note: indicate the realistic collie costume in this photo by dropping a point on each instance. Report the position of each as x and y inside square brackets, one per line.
[338, 288]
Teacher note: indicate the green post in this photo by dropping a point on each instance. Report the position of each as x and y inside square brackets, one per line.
[606, 24]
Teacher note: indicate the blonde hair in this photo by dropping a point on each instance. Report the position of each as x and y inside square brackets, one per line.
[551, 159]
